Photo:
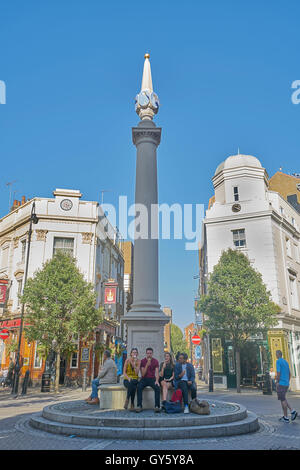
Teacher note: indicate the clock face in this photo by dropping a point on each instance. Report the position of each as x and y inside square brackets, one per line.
[154, 100]
[236, 208]
[66, 204]
[298, 186]
[143, 99]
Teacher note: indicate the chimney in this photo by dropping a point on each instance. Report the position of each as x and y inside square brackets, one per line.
[15, 205]
[23, 200]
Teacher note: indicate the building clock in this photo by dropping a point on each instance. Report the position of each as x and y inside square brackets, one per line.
[66, 204]
[236, 208]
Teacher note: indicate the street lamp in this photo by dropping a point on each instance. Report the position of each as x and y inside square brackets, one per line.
[33, 220]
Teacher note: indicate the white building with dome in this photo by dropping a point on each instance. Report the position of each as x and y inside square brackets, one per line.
[244, 214]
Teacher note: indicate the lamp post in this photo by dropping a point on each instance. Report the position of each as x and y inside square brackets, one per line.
[33, 220]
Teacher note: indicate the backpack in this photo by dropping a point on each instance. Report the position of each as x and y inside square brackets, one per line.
[172, 407]
[200, 407]
[177, 396]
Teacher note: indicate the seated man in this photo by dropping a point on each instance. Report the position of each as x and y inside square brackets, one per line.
[150, 377]
[107, 374]
[185, 379]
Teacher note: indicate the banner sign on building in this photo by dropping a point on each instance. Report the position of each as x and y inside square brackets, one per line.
[3, 291]
[110, 295]
[110, 292]
[10, 323]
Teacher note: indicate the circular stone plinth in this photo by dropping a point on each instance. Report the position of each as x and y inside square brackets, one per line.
[80, 419]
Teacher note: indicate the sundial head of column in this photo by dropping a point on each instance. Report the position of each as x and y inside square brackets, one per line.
[146, 102]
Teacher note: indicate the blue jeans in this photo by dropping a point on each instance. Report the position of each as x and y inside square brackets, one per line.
[95, 385]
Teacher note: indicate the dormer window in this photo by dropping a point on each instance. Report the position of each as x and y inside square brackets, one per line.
[236, 193]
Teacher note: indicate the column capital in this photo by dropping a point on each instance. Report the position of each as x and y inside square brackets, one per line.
[146, 134]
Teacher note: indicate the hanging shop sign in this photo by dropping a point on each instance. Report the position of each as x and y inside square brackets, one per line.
[3, 291]
[110, 295]
[110, 292]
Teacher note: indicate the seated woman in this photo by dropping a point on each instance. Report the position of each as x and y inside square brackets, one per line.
[166, 375]
[131, 376]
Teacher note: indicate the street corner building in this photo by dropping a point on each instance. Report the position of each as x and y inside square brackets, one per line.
[68, 223]
[259, 216]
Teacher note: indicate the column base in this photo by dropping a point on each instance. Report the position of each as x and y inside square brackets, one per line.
[146, 329]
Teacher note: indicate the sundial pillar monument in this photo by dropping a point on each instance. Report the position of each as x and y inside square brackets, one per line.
[145, 321]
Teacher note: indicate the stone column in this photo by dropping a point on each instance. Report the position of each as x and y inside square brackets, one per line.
[145, 321]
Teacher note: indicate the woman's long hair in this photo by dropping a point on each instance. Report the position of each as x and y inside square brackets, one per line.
[171, 358]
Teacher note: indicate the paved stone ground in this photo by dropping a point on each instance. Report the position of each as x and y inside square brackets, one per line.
[16, 434]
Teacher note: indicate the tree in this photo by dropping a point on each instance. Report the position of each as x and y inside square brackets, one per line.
[237, 304]
[59, 304]
[178, 343]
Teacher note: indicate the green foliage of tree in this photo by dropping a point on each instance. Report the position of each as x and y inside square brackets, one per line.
[238, 304]
[178, 342]
[60, 304]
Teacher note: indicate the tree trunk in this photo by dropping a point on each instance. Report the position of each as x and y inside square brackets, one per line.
[57, 372]
[238, 370]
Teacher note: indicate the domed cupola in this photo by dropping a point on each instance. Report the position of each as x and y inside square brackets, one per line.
[240, 177]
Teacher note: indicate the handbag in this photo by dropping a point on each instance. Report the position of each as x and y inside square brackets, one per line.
[200, 407]
[172, 407]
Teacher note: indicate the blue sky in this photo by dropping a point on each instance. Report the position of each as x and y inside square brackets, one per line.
[222, 70]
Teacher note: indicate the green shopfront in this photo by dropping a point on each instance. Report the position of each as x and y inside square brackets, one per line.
[255, 360]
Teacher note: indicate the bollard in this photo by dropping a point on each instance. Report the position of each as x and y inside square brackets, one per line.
[25, 383]
[210, 380]
[84, 379]
[16, 377]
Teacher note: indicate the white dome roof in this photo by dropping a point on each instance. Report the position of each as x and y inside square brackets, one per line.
[235, 161]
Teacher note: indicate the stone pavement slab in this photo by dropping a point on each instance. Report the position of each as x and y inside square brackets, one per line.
[16, 434]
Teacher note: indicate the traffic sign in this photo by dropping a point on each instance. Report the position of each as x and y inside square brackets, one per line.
[4, 334]
[196, 339]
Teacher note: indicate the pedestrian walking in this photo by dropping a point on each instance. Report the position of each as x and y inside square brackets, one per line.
[282, 385]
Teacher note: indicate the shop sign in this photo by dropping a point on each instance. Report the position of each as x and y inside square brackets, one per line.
[110, 295]
[85, 355]
[3, 291]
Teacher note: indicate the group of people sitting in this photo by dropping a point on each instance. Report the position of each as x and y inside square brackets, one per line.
[139, 374]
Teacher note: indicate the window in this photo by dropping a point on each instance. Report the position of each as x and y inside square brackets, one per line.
[63, 244]
[281, 210]
[296, 252]
[23, 251]
[294, 292]
[236, 193]
[37, 363]
[74, 360]
[293, 221]
[19, 290]
[74, 356]
[288, 247]
[4, 256]
[239, 238]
